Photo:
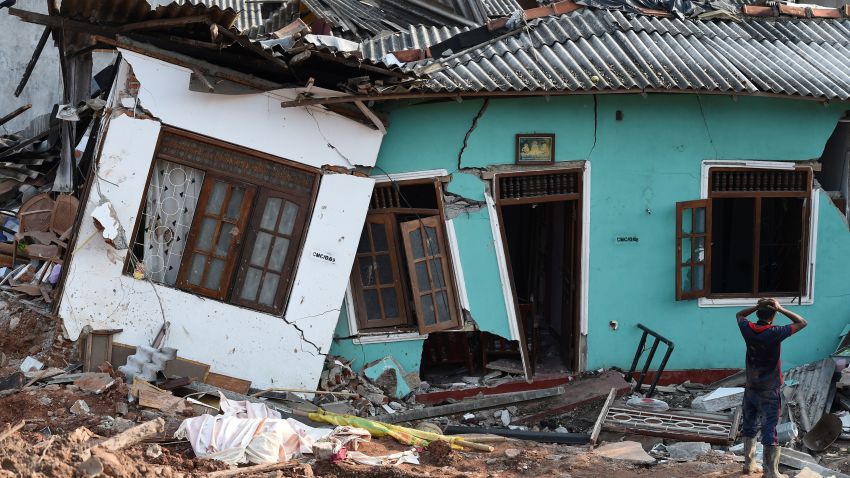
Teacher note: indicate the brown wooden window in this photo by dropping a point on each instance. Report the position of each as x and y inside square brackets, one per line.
[222, 222]
[402, 274]
[749, 238]
[424, 243]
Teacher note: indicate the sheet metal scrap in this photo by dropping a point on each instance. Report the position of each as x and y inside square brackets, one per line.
[683, 425]
[814, 382]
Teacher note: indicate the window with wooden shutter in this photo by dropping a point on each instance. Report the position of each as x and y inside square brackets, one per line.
[748, 239]
[220, 221]
[693, 248]
[270, 252]
[377, 276]
[428, 267]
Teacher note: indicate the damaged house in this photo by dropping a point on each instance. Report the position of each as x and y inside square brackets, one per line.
[523, 184]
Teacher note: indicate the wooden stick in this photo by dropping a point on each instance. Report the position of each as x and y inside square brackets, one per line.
[12, 430]
[250, 469]
[133, 435]
[298, 390]
[14, 114]
[31, 65]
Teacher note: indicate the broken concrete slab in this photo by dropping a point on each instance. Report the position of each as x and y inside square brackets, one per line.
[807, 473]
[625, 450]
[14, 381]
[720, 399]
[800, 460]
[94, 382]
[513, 367]
[687, 451]
[389, 375]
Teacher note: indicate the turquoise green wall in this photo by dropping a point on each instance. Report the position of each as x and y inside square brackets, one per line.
[641, 166]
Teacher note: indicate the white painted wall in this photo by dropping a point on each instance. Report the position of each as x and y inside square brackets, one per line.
[235, 341]
[256, 120]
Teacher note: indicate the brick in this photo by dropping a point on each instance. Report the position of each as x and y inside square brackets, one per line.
[826, 13]
[792, 10]
[757, 11]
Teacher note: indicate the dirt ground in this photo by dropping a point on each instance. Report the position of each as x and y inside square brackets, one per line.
[56, 443]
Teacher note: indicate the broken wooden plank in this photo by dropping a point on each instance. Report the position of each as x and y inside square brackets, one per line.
[542, 437]
[252, 469]
[737, 379]
[120, 352]
[14, 114]
[483, 403]
[579, 393]
[11, 430]
[134, 435]
[228, 383]
[163, 23]
[597, 427]
[214, 391]
[36, 54]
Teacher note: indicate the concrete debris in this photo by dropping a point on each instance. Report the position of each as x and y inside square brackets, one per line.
[513, 367]
[31, 364]
[390, 377]
[147, 362]
[625, 450]
[80, 407]
[505, 417]
[512, 452]
[95, 383]
[687, 451]
[720, 399]
[153, 451]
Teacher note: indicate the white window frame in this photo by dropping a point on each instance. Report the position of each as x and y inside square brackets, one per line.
[808, 297]
[366, 337]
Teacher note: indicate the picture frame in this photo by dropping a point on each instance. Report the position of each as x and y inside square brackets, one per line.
[535, 148]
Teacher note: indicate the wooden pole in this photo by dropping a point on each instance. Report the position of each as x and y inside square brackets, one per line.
[14, 114]
[36, 54]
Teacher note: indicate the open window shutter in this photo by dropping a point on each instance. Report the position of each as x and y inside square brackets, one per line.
[430, 276]
[693, 249]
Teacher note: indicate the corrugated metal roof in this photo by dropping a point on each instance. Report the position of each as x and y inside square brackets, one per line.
[129, 11]
[609, 50]
[250, 14]
[418, 36]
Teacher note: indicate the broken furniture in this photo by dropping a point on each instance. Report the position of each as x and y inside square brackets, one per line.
[640, 349]
[678, 424]
[97, 348]
[445, 348]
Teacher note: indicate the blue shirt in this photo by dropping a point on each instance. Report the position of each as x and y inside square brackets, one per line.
[764, 346]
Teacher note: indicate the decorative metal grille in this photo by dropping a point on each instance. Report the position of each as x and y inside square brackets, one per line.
[539, 185]
[743, 181]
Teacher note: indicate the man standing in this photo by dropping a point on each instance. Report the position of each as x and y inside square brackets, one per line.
[762, 395]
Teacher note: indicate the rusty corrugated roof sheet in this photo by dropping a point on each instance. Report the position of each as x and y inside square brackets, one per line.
[130, 11]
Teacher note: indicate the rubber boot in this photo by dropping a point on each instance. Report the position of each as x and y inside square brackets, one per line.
[750, 463]
[771, 462]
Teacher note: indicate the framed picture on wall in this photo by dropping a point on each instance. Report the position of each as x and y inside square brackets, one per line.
[535, 148]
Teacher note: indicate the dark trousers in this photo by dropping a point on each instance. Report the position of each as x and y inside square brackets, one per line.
[766, 404]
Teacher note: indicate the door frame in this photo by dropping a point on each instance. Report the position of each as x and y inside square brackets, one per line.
[506, 274]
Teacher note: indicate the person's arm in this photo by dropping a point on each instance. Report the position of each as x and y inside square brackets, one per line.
[798, 323]
[743, 314]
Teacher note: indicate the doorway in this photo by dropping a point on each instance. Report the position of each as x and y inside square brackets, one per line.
[541, 231]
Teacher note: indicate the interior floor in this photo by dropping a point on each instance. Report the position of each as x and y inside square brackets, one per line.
[542, 247]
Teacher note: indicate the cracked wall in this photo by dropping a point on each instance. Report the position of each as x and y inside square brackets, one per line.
[233, 340]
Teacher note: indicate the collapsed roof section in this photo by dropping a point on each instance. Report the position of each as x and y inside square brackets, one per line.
[203, 39]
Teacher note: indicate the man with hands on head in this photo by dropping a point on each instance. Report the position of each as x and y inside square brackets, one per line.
[762, 395]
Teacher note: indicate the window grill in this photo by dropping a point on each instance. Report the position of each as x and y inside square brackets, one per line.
[539, 185]
[772, 181]
[385, 197]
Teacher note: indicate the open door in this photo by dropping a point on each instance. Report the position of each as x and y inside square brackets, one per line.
[693, 249]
